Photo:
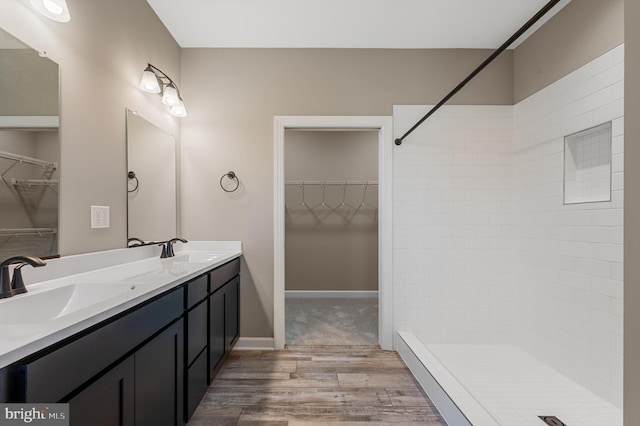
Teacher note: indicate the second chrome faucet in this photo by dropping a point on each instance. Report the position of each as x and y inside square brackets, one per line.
[167, 248]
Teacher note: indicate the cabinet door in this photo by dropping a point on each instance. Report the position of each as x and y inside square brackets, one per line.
[232, 312]
[108, 401]
[159, 376]
[217, 342]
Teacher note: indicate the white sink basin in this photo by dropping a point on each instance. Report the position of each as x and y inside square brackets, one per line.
[42, 306]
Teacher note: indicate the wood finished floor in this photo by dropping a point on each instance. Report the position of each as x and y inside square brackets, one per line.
[321, 385]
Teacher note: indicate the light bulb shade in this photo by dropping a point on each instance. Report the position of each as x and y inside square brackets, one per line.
[149, 82]
[178, 110]
[52, 9]
[170, 95]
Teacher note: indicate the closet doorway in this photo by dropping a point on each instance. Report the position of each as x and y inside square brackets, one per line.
[333, 226]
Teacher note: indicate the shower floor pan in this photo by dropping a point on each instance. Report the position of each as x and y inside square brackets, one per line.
[500, 385]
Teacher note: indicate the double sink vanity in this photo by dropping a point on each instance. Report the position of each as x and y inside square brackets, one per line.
[123, 336]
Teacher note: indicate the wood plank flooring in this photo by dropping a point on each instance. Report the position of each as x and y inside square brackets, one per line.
[307, 385]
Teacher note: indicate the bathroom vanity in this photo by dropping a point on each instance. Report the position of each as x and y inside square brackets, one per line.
[144, 354]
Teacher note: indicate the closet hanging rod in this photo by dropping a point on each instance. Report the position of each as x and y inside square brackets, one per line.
[27, 231]
[530, 23]
[327, 183]
[28, 160]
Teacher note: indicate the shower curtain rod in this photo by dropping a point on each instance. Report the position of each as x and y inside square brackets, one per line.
[531, 22]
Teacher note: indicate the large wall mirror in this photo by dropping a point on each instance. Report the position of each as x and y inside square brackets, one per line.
[29, 150]
[151, 188]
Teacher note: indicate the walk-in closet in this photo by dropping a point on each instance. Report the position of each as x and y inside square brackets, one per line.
[29, 150]
[29, 192]
[331, 237]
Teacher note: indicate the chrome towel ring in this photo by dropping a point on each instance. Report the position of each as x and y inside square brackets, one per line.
[232, 177]
[131, 176]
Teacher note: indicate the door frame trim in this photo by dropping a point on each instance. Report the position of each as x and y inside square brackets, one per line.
[384, 125]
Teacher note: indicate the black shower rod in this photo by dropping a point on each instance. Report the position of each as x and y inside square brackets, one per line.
[531, 22]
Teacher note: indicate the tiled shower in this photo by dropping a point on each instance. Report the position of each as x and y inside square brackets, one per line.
[493, 256]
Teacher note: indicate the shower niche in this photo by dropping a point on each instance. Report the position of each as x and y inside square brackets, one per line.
[587, 165]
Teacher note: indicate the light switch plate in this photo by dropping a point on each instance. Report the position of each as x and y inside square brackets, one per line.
[99, 216]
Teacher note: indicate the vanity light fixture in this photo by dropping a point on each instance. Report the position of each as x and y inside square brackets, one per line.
[178, 109]
[155, 80]
[52, 9]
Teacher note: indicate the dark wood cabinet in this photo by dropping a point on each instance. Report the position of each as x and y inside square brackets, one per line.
[197, 318]
[232, 312]
[217, 324]
[213, 325]
[224, 313]
[109, 401]
[144, 389]
[159, 379]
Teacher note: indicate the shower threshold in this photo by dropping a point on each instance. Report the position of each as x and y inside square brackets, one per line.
[484, 385]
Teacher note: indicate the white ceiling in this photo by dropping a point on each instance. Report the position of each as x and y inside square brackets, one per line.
[399, 24]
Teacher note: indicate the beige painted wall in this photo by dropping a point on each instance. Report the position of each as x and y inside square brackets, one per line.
[234, 95]
[101, 54]
[28, 83]
[632, 215]
[579, 33]
[332, 246]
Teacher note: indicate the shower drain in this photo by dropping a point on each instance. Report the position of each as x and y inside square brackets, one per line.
[552, 420]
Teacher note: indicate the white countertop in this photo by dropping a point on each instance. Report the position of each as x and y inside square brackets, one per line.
[73, 293]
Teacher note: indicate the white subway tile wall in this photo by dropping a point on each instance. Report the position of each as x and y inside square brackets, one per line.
[453, 224]
[568, 275]
[486, 252]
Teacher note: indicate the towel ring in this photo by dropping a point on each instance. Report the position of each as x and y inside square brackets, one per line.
[232, 176]
[131, 176]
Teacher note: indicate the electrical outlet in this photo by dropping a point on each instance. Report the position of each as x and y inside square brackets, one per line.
[99, 216]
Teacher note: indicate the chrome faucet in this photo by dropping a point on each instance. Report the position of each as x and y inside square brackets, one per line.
[170, 243]
[15, 286]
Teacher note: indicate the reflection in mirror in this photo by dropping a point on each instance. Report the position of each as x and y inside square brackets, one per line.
[29, 151]
[151, 165]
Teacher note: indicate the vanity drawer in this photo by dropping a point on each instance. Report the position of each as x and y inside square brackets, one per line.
[197, 384]
[196, 290]
[224, 273]
[53, 376]
[197, 321]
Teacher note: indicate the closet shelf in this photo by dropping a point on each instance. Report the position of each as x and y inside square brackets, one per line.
[28, 160]
[330, 183]
[18, 232]
[34, 182]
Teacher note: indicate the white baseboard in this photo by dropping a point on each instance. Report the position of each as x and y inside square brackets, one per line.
[254, 344]
[338, 294]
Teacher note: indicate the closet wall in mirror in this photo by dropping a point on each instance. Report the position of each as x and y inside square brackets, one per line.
[29, 151]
